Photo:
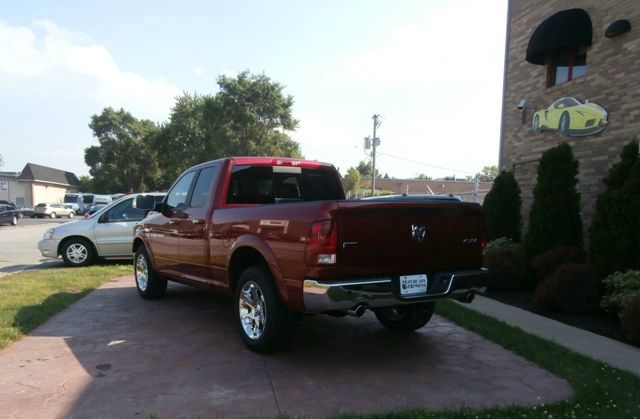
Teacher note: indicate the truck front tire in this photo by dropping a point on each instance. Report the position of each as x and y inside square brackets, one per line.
[264, 323]
[405, 318]
[149, 284]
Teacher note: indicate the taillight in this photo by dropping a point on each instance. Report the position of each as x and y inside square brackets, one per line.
[322, 244]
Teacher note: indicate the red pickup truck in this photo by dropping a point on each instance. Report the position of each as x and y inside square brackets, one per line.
[278, 234]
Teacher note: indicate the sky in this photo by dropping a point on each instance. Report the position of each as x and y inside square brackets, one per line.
[433, 69]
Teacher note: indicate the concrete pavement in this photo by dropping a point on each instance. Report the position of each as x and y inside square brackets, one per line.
[113, 354]
[614, 353]
[19, 245]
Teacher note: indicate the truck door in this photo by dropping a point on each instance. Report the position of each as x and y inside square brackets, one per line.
[194, 228]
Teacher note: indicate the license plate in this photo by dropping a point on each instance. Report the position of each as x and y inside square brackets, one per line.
[413, 284]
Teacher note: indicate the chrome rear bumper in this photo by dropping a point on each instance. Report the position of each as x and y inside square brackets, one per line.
[322, 296]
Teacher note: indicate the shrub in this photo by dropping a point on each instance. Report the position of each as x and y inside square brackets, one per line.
[620, 289]
[500, 244]
[555, 219]
[630, 320]
[502, 208]
[546, 263]
[606, 227]
[572, 288]
[509, 270]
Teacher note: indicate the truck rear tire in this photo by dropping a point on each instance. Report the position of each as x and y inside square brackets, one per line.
[149, 283]
[264, 323]
[405, 318]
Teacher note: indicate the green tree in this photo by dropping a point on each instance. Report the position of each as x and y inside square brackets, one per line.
[608, 234]
[502, 208]
[488, 173]
[123, 161]
[250, 115]
[366, 168]
[555, 218]
[422, 176]
[352, 180]
[86, 183]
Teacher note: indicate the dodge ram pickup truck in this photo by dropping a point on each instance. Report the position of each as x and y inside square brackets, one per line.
[278, 235]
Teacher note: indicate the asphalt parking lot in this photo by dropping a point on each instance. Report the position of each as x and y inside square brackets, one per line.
[113, 354]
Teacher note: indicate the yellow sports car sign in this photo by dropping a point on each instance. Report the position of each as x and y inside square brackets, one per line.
[570, 117]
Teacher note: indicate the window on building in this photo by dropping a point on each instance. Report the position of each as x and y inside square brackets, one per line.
[565, 64]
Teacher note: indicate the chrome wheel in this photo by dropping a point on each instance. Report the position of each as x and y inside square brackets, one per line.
[52, 215]
[142, 272]
[253, 310]
[77, 253]
[71, 214]
[14, 221]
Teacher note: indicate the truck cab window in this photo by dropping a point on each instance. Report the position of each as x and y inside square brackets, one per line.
[202, 189]
[177, 197]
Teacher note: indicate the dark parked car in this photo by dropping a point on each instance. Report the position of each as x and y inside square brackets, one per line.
[26, 212]
[8, 215]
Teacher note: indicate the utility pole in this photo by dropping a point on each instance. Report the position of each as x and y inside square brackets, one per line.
[375, 141]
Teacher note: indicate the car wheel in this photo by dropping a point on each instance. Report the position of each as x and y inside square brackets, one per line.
[14, 221]
[149, 283]
[71, 214]
[536, 124]
[405, 318]
[565, 122]
[20, 215]
[264, 322]
[77, 252]
[52, 215]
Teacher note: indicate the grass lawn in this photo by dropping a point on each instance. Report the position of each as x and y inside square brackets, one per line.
[29, 298]
[600, 390]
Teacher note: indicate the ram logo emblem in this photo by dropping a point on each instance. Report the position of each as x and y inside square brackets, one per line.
[418, 232]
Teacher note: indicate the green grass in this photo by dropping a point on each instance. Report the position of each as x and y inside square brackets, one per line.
[29, 298]
[600, 390]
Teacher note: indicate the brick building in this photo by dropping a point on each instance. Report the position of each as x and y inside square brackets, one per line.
[572, 72]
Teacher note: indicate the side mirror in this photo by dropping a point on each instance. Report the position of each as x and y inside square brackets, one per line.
[144, 202]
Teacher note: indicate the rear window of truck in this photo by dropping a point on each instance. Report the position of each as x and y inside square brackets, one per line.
[278, 184]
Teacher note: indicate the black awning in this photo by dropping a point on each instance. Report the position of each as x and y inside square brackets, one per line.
[566, 29]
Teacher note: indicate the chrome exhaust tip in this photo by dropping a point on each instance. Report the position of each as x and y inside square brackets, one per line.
[357, 311]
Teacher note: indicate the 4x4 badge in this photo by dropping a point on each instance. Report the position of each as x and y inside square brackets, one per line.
[418, 232]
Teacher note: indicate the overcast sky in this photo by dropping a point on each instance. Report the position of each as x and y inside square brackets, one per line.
[432, 69]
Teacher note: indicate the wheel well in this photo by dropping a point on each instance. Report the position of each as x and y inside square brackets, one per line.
[241, 259]
[66, 239]
[136, 243]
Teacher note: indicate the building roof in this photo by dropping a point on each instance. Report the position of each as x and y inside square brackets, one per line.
[35, 172]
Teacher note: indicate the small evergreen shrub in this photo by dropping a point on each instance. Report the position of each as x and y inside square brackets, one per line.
[546, 263]
[501, 243]
[502, 208]
[609, 232]
[509, 270]
[620, 289]
[555, 219]
[630, 320]
[572, 288]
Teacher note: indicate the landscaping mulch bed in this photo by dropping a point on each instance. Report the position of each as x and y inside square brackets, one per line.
[597, 322]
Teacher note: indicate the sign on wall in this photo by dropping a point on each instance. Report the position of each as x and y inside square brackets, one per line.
[4, 185]
[570, 117]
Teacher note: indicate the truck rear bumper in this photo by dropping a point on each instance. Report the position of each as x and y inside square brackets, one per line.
[322, 296]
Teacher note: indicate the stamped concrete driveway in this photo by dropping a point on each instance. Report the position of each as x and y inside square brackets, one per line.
[114, 355]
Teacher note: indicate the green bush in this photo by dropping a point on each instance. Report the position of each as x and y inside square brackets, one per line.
[502, 208]
[620, 289]
[572, 288]
[501, 243]
[555, 219]
[630, 320]
[546, 263]
[509, 270]
[610, 232]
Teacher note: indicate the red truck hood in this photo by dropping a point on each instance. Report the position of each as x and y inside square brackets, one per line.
[379, 237]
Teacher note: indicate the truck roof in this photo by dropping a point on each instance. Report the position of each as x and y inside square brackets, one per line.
[278, 161]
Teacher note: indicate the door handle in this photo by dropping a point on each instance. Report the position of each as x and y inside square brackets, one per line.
[174, 221]
[197, 221]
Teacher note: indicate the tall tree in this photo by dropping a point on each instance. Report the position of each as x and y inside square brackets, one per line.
[502, 208]
[366, 168]
[555, 218]
[123, 161]
[488, 173]
[352, 180]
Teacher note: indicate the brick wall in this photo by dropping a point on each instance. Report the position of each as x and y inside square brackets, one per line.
[612, 81]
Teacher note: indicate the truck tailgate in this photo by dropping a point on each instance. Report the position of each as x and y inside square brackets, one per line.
[388, 237]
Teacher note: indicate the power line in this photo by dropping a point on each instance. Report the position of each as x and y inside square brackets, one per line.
[427, 164]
